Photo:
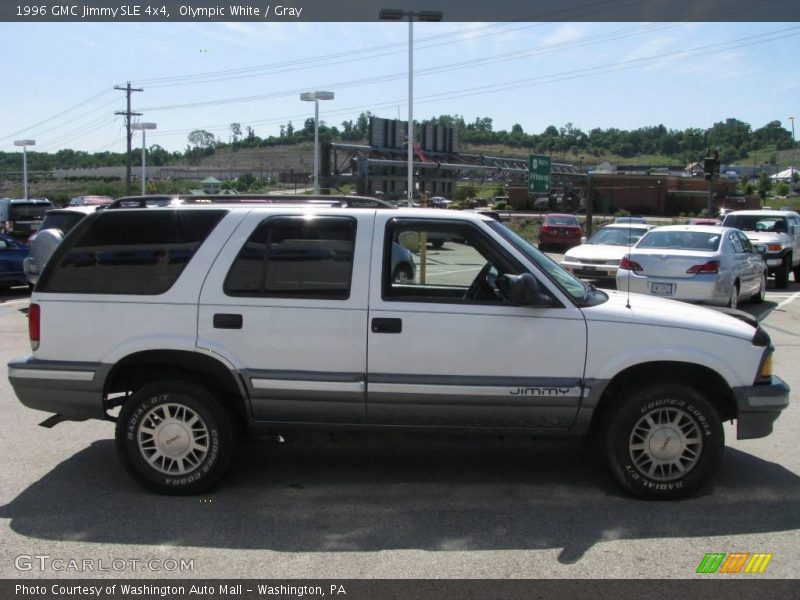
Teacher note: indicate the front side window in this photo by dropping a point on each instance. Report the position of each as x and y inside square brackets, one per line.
[443, 261]
[296, 257]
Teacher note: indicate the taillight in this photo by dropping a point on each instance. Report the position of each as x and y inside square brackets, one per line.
[711, 266]
[630, 265]
[546, 229]
[34, 323]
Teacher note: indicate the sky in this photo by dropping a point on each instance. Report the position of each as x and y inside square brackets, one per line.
[60, 77]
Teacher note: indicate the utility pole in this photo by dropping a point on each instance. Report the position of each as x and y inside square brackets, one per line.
[128, 114]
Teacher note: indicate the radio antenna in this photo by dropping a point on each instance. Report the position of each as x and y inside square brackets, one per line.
[630, 273]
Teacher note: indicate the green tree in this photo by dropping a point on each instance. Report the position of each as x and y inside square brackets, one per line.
[764, 185]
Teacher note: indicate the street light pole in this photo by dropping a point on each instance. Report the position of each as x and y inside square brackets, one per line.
[25, 144]
[315, 97]
[430, 16]
[144, 127]
[791, 167]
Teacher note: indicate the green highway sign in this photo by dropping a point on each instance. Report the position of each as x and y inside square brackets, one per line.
[538, 174]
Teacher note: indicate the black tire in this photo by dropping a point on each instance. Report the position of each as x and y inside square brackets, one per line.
[761, 294]
[177, 400]
[782, 274]
[796, 272]
[697, 441]
[402, 273]
[437, 244]
[541, 246]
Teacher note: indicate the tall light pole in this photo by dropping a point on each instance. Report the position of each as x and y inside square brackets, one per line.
[315, 97]
[25, 144]
[144, 127]
[428, 16]
[791, 167]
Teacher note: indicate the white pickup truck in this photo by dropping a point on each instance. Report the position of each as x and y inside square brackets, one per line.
[195, 320]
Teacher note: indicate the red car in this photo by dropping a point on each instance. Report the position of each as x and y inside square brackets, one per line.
[560, 230]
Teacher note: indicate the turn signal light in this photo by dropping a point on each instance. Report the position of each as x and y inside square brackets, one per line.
[630, 265]
[766, 367]
[774, 247]
[711, 266]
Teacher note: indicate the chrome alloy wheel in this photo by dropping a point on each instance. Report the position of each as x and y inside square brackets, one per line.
[173, 439]
[665, 444]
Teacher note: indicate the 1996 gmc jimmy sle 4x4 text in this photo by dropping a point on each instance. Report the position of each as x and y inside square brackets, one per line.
[195, 318]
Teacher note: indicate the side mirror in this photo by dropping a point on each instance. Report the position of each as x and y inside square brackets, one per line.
[583, 239]
[524, 290]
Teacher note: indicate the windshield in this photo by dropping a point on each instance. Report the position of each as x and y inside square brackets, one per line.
[681, 240]
[756, 223]
[566, 281]
[62, 221]
[19, 212]
[613, 236]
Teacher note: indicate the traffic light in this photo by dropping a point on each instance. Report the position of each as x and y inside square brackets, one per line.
[711, 163]
[708, 167]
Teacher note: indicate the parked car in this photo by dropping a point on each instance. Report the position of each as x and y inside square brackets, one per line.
[561, 230]
[289, 317]
[403, 265]
[776, 233]
[20, 218]
[695, 263]
[599, 256]
[12, 253]
[55, 225]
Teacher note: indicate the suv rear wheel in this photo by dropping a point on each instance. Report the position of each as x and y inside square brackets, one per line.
[174, 437]
[663, 442]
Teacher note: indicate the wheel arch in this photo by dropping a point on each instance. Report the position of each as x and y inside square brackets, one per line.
[707, 381]
[139, 368]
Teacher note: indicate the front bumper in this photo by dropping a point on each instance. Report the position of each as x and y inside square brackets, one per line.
[759, 406]
[67, 388]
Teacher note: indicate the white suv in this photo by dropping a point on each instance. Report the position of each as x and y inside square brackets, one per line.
[197, 319]
[776, 233]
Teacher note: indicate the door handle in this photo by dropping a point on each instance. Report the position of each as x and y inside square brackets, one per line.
[387, 326]
[227, 321]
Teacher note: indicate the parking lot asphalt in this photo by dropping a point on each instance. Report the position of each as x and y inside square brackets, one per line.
[393, 505]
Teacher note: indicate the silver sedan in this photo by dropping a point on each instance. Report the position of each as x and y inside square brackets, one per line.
[695, 263]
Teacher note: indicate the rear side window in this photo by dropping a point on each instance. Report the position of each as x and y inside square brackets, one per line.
[296, 257]
[126, 252]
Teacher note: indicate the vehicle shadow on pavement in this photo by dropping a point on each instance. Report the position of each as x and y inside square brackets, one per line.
[363, 492]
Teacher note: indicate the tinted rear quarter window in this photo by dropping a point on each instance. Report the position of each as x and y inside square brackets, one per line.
[128, 252]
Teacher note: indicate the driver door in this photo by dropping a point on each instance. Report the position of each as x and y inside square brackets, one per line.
[446, 349]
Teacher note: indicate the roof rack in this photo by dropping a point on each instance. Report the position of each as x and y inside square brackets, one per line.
[205, 199]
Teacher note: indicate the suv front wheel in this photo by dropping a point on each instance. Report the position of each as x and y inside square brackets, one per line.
[664, 441]
[174, 437]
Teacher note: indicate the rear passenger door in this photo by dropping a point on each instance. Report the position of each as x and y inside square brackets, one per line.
[286, 304]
